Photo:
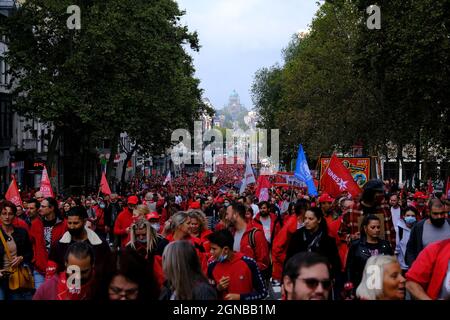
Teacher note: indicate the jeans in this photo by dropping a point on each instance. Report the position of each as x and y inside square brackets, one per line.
[38, 279]
[6, 294]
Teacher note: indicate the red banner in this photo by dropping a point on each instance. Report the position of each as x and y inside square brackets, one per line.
[262, 188]
[104, 186]
[359, 168]
[13, 193]
[46, 186]
[337, 178]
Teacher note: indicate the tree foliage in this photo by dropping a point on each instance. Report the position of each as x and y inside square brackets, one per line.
[126, 70]
[344, 84]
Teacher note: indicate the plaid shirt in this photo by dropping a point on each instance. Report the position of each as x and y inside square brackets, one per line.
[350, 225]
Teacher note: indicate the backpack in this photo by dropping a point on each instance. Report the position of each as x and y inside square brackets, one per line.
[267, 273]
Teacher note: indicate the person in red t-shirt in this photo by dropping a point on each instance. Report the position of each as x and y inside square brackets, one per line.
[125, 220]
[235, 276]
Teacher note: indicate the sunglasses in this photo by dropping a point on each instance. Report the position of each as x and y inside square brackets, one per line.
[313, 283]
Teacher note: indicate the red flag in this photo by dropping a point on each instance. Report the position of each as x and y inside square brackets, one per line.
[13, 194]
[46, 186]
[430, 188]
[262, 188]
[337, 179]
[104, 186]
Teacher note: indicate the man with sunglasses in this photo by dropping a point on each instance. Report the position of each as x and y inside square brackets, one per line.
[306, 276]
[435, 228]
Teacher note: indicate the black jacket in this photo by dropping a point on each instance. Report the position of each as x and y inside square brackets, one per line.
[100, 247]
[23, 244]
[358, 255]
[326, 246]
[111, 212]
[415, 244]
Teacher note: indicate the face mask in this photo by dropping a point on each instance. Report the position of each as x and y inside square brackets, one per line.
[439, 222]
[75, 232]
[156, 226]
[410, 220]
[142, 240]
[102, 206]
[226, 204]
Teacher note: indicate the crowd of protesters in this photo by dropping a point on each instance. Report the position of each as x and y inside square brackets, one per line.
[198, 239]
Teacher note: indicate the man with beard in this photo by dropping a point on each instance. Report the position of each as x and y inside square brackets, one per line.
[436, 227]
[372, 202]
[306, 276]
[248, 240]
[77, 232]
[63, 286]
[269, 221]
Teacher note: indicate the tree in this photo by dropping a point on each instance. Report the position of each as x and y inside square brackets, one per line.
[344, 83]
[126, 70]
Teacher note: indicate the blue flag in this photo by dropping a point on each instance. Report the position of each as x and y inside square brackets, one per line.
[302, 172]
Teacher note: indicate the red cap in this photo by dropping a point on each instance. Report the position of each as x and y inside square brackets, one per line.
[152, 215]
[420, 195]
[325, 198]
[195, 205]
[132, 200]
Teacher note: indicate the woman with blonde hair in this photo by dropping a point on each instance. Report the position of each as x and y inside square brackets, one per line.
[198, 225]
[382, 279]
[145, 241]
[143, 238]
[140, 212]
[184, 277]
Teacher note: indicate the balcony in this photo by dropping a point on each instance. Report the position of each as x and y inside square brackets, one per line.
[6, 7]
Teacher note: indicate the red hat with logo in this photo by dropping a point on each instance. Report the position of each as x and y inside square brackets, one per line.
[132, 200]
[325, 198]
[152, 215]
[420, 195]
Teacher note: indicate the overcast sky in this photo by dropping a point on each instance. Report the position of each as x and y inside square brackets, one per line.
[238, 37]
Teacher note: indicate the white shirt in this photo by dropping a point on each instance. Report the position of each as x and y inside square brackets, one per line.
[395, 217]
[266, 227]
[237, 240]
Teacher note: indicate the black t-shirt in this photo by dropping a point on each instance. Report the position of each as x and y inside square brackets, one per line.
[374, 248]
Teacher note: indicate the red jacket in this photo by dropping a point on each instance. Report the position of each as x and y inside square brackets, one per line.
[245, 277]
[40, 256]
[56, 288]
[202, 256]
[280, 245]
[274, 224]
[123, 221]
[58, 230]
[260, 253]
[430, 268]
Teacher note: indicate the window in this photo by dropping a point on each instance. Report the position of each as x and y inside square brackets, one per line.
[5, 119]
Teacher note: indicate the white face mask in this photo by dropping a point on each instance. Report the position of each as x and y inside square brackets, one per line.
[155, 226]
